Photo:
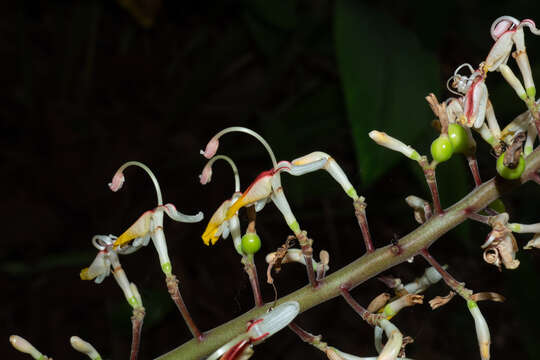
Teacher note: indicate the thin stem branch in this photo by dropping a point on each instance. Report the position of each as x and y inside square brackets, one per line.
[429, 173]
[136, 326]
[172, 286]
[477, 217]
[307, 251]
[473, 165]
[251, 271]
[359, 309]
[360, 212]
[366, 267]
[304, 335]
[448, 279]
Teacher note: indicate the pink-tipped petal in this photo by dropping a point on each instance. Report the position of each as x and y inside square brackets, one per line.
[206, 175]
[211, 148]
[117, 181]
[476, 103]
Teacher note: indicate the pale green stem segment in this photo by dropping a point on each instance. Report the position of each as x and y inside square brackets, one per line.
[149, 172]
[252, 133]
[364, 268]
[233, 166]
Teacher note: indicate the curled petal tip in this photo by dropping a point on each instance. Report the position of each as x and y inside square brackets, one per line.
[211, 148]
[117, 181]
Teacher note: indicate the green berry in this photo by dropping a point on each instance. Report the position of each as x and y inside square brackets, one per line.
[459, 138]
[506, 172]
[441, 148]
[251, 243]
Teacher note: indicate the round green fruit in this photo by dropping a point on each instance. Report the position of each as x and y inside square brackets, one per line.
[506, 172]
[459, 138]
[441, 148]
[251, 243]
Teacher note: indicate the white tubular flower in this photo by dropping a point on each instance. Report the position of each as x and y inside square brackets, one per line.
[150, 224]
[100, 268]
[273, 321]
[430, 277]
[391, 143]
[392, 347]
[475, 102]
[327, 163]
[24, 346]
[344, 356]
[524, 228]
[391, 309]
[486, 134]
[512, 79]
[84, 347]
[492, 121]
[533, 243]
[295, 255]
[482, 330]
[531, 137]
[259, 330]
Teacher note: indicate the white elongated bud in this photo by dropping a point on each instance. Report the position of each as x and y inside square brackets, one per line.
[531, 137]
[482, 330]
[84, 347]
[392, 347]
[391, 143]
[512, 79]
[431, 276]
[492, 121]
[326, 162]
[486, 134]
[525, 228]
[345, 356]
[499, 52]
[275, 320]
[24, 346]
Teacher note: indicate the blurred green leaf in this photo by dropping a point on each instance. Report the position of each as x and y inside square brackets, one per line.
[280, 13]
[385, 74]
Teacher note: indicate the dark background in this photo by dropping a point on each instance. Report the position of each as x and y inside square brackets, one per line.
[86, 87]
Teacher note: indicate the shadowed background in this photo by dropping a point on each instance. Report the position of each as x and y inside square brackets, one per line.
[88, 85]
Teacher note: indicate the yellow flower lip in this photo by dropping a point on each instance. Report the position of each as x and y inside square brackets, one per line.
[139, 228]
[217, 219]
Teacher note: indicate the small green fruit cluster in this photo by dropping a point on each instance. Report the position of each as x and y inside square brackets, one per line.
[251, 243]
[508, 173]
[443, 147]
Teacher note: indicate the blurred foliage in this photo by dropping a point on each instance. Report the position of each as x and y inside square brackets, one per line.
[385, 71]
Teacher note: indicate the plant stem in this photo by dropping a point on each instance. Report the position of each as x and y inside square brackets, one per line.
[307, 251]
[251, 271]
[304, 335]
[360, 212]
[429, 173]
[473, 165]
[364, 268]
[359, 309]
[136, 326]
[172, 286]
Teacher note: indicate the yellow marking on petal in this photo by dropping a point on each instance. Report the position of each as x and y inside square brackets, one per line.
[140, 228]
[215, 222]
[84, 274]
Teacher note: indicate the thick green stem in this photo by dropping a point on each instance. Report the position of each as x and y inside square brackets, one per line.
[367, 266]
